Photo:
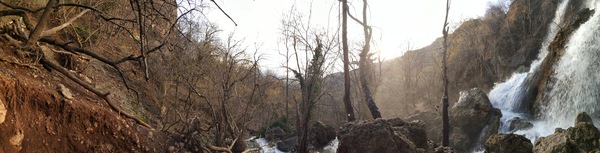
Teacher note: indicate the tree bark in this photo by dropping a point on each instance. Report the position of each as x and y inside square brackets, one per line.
[64, 25]
[363, 67]
[347, 102]
[41, 26]
[445, 119]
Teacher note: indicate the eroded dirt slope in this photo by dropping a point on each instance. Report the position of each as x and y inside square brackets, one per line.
[40, 118]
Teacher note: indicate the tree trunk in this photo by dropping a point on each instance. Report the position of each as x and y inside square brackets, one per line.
[363, 67]
[347, 102]
[287, 84]
[305, 123]
[369, 99]
[35, 35]
[445, 119]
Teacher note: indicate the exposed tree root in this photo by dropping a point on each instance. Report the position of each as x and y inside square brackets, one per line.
[104, 95]
[51, 63]
[228, 150]
[220, 149]
[251, 150]
[19, 64]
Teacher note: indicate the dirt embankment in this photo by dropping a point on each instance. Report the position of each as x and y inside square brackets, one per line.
[39, 118]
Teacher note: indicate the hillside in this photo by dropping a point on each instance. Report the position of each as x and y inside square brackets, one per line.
[99, 78]
[38, 115]
[154, 76]
[482, 51]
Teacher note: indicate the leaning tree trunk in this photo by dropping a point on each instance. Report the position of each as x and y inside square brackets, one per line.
[363, 67]
[367, 93]
[35, 35]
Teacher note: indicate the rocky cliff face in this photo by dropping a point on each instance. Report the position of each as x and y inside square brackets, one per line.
[574, 17]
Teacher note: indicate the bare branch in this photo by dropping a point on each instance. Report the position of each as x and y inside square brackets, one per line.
[224, 12]
[16, 7]
[220, 149]
[64, 25]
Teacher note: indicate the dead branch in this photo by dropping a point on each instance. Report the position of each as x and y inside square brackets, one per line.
[141, 38]
[250, 150]
[20, 13]
[52, 63]
[224, 12]
[18, 64]
[228, 150]
[17, 7]
[221, 149]
[70, 48]
[10, 39]
[233, 143]
[64, 25]
[45, 51]
[11, 12]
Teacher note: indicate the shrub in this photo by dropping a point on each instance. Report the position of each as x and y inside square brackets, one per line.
[283, 122]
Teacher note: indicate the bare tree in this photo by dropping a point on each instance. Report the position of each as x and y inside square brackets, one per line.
[310, 84]
[364, 66]
[445, 119]
[311, 48]
[347, 102]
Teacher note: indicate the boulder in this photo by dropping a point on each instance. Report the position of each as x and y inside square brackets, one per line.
[415, 132]
[555, 143]
[17, 140]
[384, 136]
[508, 143]
[583, 137]
[288, 144]
[321, 134]
[66, 92]
[583, 117]
[441, 149]
[275, 133]
[3, 112]
[469, 116]
[519, 124]
[432, 119]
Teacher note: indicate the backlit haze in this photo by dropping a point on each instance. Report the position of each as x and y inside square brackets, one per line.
[397, 24]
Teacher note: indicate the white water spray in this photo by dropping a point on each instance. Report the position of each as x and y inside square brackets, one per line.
[577, 74]
[508, 96]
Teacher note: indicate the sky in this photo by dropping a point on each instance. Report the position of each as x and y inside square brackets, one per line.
[397, 24]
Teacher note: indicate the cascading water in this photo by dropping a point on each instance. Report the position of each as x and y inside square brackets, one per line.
[576, 87]
[508, 96]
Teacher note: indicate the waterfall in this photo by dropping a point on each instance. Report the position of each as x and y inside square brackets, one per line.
[577, 85]
[508, 96]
